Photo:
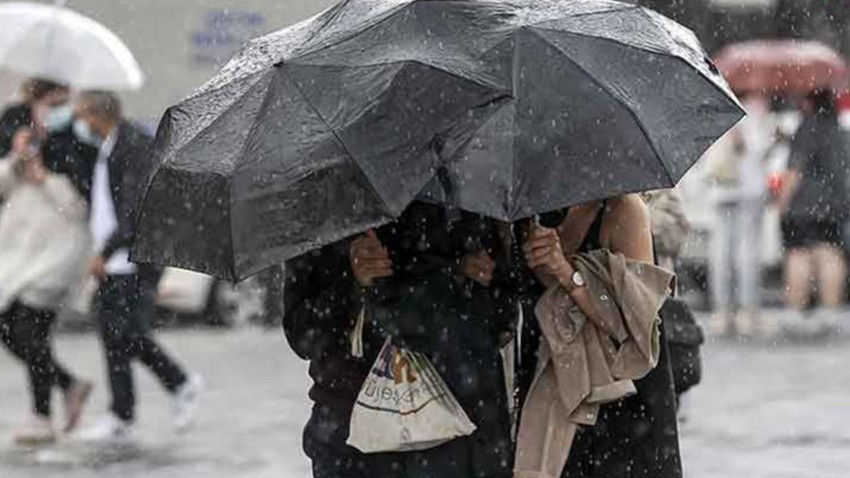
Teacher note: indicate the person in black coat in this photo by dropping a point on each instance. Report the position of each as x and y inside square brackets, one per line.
[46, 110]
[125, 297]
[431, 283]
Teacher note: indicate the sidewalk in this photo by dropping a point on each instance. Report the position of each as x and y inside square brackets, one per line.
[764, 411]
[249, 424]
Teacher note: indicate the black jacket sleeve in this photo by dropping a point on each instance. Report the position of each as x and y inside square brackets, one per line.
[11, 120]
[321, 302]
[132, 157]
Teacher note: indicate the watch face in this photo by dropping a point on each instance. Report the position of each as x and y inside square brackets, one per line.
[578, 279]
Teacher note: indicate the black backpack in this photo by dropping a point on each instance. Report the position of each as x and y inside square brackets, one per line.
[685, 337]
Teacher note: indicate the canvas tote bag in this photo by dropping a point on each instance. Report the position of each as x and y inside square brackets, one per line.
[404, 404]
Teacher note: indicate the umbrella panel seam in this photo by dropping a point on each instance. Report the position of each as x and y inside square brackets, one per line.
[314, 49]
[619, 101]
[340, 141]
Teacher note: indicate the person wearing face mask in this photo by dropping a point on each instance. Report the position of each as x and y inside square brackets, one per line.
[125, 298]
[46, 110]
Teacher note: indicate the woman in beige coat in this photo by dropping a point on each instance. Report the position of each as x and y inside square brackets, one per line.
[635, 437]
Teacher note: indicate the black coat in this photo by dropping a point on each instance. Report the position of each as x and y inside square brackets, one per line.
[459, 330]
[65, 154]
[13, 118]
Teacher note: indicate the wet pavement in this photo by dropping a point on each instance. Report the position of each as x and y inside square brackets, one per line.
[765, 410]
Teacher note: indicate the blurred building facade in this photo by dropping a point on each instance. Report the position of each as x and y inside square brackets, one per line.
[180, 43]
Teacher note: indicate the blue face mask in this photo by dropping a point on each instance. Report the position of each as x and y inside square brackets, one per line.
[58, 118]
[84, 133]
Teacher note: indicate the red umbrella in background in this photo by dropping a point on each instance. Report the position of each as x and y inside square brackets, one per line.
[783, 66]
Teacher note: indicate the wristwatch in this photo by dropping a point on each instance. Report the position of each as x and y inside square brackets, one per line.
[578, 280]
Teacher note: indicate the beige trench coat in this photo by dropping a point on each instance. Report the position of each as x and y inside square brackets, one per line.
[580, 367]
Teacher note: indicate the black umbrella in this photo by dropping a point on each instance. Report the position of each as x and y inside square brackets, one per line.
[607, 99]
[324, 129]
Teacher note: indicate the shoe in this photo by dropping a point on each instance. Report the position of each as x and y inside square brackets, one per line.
[36, 431]
[187, 398]
[76, 398]
[721, 324]
[108, 429]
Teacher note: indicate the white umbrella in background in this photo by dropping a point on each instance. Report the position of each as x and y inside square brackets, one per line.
[53, 42]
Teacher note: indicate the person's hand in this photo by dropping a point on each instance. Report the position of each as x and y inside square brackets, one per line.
[479, 267]
[22, 141]
[544, 253]
[97, 267]
[34, 171]
[369, 259]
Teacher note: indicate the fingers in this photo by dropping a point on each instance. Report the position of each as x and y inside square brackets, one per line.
[376, 272]
[370, 254]
[543, 238]
[540, 231]
[541, 252]
[485, 258]
[372, 263]
[550, 256]
[366, 243]
[479, 267]
[368, 247]
[481, 263]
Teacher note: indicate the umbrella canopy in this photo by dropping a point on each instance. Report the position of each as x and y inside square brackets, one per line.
[59, 44]
[783, 66]
[335, 125]
[607, 99]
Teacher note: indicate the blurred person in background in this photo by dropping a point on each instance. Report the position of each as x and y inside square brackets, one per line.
[43, 245]
[670, 225]
[125, 298]
[737, 166]
[813, 202]
[47, 110]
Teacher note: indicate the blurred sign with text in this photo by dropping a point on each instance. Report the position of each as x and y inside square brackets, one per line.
[222, 33]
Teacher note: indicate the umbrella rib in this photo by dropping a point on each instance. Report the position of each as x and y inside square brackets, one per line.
[341, 143]
[633, 47]
[655, 51]
[308, 51]
[221, 114]
[620, 100]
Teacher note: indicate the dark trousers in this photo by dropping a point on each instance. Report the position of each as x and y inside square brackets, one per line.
[26, 333]
[125, 307]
